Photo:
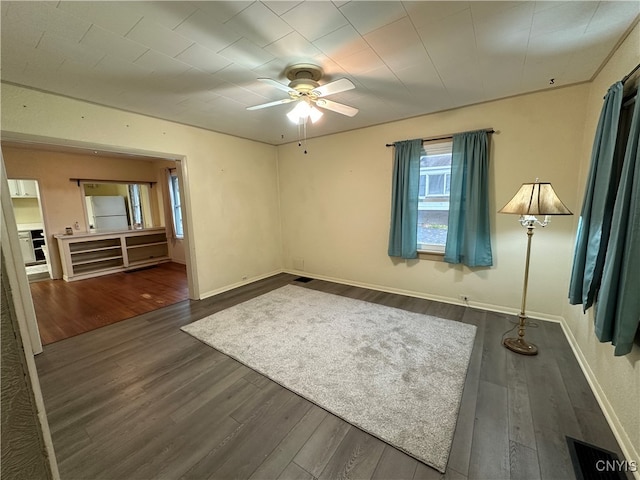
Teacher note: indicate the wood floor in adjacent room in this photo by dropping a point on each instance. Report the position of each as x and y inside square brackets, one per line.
[65, 309]
[140, 399]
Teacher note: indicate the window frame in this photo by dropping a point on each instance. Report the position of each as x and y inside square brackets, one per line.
[176, 204]
[446, 186]
[432, 148]
[135, 204]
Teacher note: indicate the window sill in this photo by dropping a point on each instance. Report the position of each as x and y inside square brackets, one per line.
[431, 255]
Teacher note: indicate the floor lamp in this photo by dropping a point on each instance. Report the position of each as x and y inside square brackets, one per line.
[532, 199]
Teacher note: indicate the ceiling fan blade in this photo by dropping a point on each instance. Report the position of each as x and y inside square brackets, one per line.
[271, 104]
[341, 85]
[278, 85]
[336, 107]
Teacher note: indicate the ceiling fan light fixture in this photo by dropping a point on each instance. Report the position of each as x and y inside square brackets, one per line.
[299, 112]
[314, 114]
[302, 111]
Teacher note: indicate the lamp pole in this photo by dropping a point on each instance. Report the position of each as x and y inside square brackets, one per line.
[520, 345]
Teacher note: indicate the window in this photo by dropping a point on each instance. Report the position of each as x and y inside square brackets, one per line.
[136, 204]
[433, 196]
[176, 209]
[139, 203]
[438, 183]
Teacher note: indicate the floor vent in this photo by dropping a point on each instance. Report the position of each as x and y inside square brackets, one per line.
[594, 463]
[303, 279]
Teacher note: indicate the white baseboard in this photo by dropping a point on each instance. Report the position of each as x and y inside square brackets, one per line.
[249, 280]
[437, 298]
[629, 451]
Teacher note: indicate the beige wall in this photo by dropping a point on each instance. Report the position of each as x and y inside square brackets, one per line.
[26, 210]
[101, 189]
[231, 198]
[336, 203]
[615, 379]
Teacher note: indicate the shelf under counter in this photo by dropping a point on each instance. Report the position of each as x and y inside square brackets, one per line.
[86, 255]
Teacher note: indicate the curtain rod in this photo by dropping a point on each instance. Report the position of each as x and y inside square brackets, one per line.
[444, 137]
[628, 75]
[95, 180]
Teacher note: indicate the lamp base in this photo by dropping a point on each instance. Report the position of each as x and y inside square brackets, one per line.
[520, 345]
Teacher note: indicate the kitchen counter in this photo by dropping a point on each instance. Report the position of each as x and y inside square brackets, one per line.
[99, 233]
[86, 255]
[29, 226]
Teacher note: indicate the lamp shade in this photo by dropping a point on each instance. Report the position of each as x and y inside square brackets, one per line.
[536, 198]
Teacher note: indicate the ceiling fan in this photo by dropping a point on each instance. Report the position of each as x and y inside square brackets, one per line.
[305, 89]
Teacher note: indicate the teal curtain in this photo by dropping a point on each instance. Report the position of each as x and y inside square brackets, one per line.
[469, 236]
[403, 232]
[597, 207]
[618, 305]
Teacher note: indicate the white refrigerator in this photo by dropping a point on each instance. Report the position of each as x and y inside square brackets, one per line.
[107, 213]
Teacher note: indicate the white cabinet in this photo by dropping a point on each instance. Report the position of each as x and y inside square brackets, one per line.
[32, 245]
[91, 255]
[26, 246]
[23, 188]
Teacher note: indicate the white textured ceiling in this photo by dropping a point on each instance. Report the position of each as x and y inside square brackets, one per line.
[197, 62]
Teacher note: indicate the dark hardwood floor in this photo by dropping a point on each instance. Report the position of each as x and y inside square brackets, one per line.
[140, 399]
[65, 309]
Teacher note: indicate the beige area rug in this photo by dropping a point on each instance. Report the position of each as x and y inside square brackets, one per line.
[395, 374]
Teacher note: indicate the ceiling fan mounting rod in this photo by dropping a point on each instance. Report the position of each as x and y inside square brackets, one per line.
[304, 71]
[303, 85]
[304, 77]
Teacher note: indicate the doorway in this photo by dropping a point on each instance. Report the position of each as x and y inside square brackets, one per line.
[62, 206]
[27, 209]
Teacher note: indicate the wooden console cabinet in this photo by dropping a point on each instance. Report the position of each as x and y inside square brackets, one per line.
[92, 254]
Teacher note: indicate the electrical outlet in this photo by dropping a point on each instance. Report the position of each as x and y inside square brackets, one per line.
[463, 297]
